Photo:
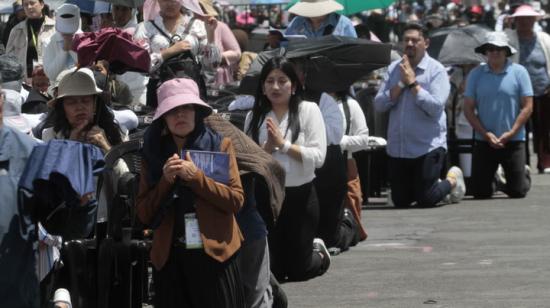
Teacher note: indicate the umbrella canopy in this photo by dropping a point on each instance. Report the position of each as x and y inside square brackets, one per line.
[356, 6]
[115, 46]
[455, 45]
[331, 63]
[127, 3]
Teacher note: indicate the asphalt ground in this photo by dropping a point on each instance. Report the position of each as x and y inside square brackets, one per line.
[477, 253]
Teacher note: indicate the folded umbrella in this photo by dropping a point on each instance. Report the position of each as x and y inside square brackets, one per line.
[455, 45]
[55, 178]
[331, 63]
[113, 45]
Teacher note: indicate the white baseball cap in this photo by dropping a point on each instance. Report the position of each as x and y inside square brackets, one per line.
[67, 19]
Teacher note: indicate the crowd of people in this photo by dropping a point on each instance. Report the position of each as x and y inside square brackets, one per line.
[211, 244]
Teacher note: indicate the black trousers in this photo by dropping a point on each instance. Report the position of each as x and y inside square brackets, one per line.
[331, 187]
[191, 278]
[291, 243]
[485, 162]
[417, 179]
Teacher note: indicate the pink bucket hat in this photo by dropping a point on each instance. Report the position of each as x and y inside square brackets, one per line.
[526, 11]
[179, 92]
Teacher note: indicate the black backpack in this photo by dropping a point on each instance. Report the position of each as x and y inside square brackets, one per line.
[183, 65]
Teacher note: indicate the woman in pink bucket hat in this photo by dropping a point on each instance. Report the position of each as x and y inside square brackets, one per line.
[196, 235]
[534, 53]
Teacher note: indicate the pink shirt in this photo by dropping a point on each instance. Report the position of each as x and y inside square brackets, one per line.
[230, 51]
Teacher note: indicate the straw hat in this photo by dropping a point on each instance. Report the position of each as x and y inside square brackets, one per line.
[315, 8]
[208, 7]
[499, 39]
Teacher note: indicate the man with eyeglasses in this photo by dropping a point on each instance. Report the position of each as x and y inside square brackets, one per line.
[414, 93]
[18, 281]
[497, 102]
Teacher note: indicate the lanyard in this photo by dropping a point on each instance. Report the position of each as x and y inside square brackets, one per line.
[33, 37]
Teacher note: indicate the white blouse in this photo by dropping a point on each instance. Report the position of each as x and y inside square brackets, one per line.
[358, 137]
[311, 139]
[150, 38]
[334, 121]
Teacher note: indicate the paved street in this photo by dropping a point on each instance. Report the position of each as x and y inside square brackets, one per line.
[493, 253]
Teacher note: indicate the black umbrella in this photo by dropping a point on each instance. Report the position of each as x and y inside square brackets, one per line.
[455, 45]
[331, 63]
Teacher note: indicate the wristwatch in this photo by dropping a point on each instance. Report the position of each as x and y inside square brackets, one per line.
[400, 84]
[412, 85]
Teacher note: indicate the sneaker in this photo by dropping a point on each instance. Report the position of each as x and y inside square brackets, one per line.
[457, 193]
[319, 247]
[500, 179]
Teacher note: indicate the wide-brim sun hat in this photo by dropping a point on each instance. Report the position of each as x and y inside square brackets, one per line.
[78, 83]
[526, 10]
[180, 92]
[315, 8]
[498, 39]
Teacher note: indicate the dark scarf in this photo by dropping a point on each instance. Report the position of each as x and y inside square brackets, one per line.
[32, 52]
[157, 148]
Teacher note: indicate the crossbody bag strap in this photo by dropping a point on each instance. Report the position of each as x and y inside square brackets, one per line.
[162, 31]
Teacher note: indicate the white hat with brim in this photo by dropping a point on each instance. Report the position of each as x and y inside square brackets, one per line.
[526, 11]
[78, 83]
[499, 39]
[315, 8]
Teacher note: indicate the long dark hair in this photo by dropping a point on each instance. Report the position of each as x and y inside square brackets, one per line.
[262, 105]
[104, 118]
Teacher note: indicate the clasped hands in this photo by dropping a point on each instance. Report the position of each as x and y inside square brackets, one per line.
[185, 169]
[275, 139]
[407, 72]
[498, 142]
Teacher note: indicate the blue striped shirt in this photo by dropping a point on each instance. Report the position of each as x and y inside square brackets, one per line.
[417, 123]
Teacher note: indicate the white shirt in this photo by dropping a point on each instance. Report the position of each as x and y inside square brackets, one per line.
[311, 139]
[153, 40]
[56, 59]
[358, 137]
[334, 121]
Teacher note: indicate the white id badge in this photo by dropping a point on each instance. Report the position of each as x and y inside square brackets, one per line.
[192, 233]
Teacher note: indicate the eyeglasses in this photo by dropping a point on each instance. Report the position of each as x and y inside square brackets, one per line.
[491, 48]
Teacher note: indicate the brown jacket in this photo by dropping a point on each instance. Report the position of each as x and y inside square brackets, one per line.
[216, 207]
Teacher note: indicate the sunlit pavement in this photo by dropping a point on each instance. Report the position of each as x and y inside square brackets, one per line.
[478, 253]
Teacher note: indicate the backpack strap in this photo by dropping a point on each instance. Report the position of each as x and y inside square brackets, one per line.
[161, 31]
[347, 113]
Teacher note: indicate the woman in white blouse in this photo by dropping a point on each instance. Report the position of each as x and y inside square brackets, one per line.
[294, 132]
[172, 33]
